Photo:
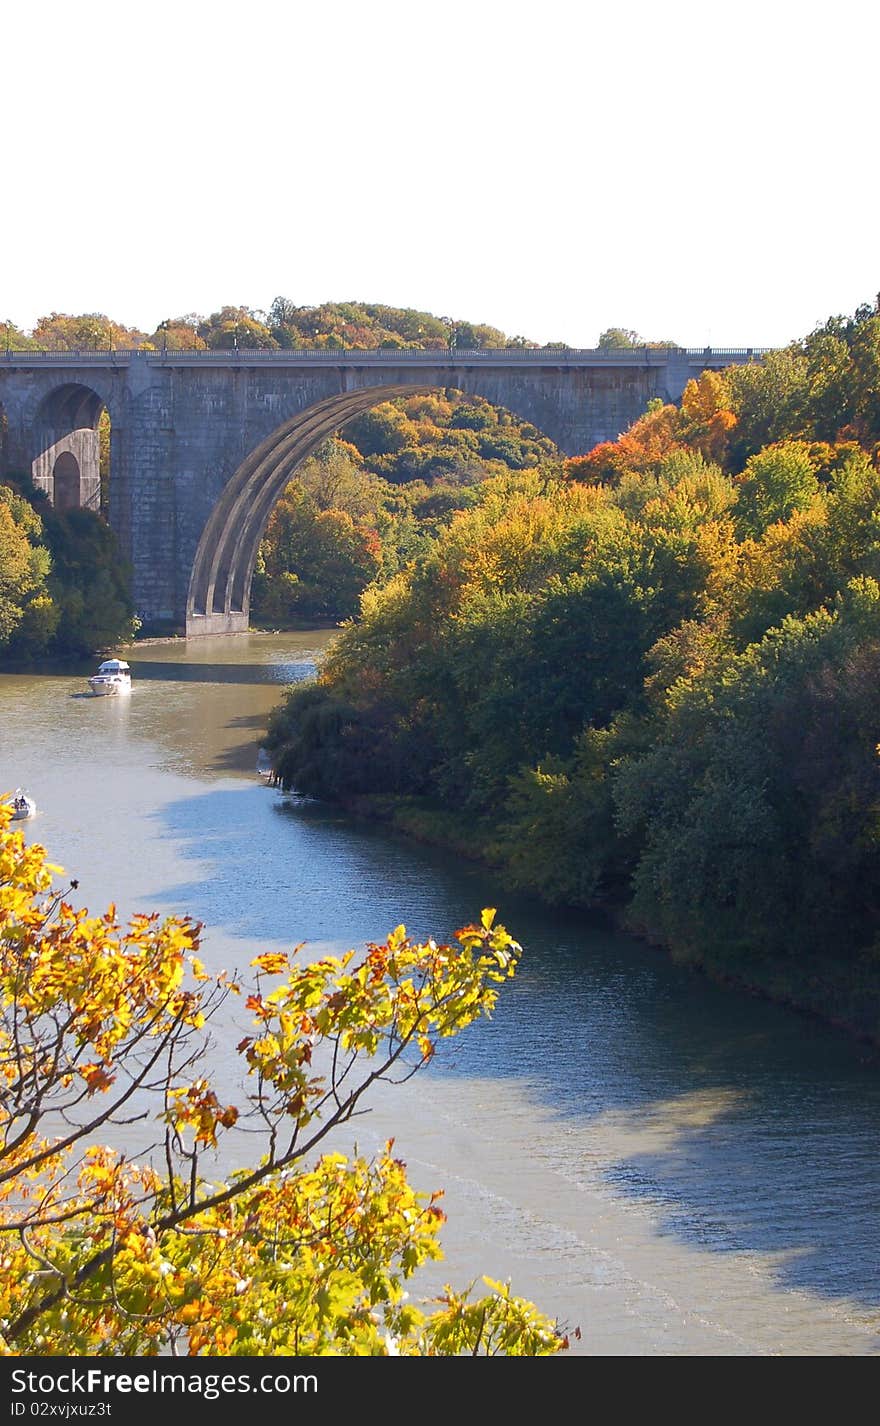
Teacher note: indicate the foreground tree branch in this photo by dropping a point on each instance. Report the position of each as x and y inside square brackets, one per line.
[301, 1250]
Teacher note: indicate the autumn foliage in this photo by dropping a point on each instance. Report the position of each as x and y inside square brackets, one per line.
[652, 683]
[702, 422]
[105, 1249]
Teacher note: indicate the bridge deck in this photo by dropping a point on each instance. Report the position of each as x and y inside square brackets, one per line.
[383, 356]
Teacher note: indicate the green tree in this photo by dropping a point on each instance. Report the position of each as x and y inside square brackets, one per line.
[336, 479]
[472, 417]
[314, 562]
[769, 399]
[382, 430]
[756, 804]
[843, 362]
[777, 481]
[14, 339]
[24, 566]
[89, 583]
[614, 337]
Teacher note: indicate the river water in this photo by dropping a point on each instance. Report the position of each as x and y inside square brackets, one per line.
[672, 1168]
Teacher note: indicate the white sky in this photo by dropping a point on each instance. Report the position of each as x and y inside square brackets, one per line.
[699, 172]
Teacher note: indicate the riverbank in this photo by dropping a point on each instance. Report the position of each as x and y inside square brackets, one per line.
[846, 999]
[303, 626]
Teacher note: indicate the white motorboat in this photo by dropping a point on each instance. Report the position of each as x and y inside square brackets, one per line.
[113, 676]
[22, 806]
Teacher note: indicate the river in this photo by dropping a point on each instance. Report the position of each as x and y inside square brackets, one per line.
[671, 1168]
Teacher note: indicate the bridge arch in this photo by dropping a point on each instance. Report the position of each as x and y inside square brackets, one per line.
[66, 464]
[220, 586]
[66, 482]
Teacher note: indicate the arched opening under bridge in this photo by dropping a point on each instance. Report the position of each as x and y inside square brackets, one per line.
[71, 427]
[220, 586]
[66, 482]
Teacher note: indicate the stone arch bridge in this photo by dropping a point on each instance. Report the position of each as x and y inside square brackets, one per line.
[203, 443]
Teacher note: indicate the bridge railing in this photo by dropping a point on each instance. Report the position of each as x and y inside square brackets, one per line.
[355, 356]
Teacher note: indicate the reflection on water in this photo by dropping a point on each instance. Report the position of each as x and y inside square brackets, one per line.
[672, 1167]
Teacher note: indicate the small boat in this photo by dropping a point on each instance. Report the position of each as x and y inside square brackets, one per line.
[264, 764]
[22, 806]
[113, 676]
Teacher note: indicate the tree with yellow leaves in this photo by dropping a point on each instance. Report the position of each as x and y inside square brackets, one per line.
[300, 1251]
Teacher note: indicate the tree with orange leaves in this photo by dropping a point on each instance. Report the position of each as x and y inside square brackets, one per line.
[653, 436]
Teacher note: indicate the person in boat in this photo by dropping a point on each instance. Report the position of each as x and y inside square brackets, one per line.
[20, 803]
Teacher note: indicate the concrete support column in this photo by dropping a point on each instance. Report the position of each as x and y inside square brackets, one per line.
[143, 499]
